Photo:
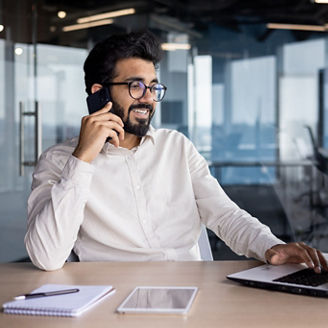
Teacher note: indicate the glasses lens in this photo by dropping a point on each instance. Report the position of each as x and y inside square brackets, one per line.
[158, 91]
[137, 89]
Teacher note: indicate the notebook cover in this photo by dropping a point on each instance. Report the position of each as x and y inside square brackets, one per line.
[67, 305]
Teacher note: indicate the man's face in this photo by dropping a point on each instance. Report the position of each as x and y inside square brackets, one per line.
[136, 114]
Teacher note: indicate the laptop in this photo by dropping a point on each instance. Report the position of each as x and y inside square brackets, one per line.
[291, 278]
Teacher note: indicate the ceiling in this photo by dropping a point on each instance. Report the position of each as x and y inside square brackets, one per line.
[201, 13]
[193, 16]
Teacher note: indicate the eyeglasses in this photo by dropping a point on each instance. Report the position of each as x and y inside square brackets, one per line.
[138, 89]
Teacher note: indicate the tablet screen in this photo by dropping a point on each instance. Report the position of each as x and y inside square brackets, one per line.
[158, 300]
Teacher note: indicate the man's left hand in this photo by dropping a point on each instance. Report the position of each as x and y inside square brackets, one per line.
[296, 253]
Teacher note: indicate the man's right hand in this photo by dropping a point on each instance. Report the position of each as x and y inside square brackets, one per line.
[95, 129]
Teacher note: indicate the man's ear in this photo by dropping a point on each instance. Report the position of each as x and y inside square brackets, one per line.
[95, 87]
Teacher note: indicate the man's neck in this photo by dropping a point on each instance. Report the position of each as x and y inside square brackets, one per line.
[130, 141]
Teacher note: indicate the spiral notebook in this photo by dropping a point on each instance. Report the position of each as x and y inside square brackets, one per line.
[67, 305]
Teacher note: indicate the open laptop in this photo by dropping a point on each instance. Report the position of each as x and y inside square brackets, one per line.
[291, 278]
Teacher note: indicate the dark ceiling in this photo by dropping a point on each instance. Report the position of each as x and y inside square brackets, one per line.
[202, 12]
[193, 16]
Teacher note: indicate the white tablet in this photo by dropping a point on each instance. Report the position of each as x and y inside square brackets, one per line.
[159, 299]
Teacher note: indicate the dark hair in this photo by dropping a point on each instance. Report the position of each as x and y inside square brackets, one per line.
[100, 64]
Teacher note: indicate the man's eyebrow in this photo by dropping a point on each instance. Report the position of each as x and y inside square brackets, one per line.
[138, 78]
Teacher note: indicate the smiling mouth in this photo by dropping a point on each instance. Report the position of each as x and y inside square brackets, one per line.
[141, 113]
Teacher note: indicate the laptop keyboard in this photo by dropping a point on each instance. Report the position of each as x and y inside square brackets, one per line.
[305, 277]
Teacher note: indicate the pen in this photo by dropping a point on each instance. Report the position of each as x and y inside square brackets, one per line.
[52, 293]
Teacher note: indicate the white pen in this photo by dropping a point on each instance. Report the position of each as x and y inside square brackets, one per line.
[44, 294]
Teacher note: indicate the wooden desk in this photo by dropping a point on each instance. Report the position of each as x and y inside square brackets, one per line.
[219, 303]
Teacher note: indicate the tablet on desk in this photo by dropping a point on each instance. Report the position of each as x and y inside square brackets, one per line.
[159, 299]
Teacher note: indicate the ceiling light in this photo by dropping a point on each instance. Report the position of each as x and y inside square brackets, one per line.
[61, 14]
[75, 27]
[316, 28]
[1, 27]
[18, 51]
[321, 1]
[175, 46]
[110, 14]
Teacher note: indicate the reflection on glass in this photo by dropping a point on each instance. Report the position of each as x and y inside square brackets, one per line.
[160, 298]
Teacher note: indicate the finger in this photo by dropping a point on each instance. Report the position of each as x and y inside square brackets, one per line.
[108, 116]
[304, 255]
[113, 117]
[105, 109]
[272, 257]
[268, 255]
[114, 138]
[314, 257]
[113, 126]
[323, 260]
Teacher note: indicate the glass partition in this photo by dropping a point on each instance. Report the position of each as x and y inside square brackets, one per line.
[253, 101]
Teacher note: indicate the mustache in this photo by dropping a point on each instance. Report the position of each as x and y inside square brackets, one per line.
[139, 106]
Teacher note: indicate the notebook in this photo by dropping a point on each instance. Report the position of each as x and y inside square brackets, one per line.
[291, 278]
[67, 305]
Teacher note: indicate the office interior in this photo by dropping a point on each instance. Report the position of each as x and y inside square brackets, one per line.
[247, 83]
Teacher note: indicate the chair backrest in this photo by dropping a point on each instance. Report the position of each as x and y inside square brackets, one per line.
[204, 245]
[72, 257]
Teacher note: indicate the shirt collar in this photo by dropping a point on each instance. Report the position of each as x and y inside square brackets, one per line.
[149, 135]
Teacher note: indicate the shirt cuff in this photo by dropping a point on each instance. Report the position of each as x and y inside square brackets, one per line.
[78, 172]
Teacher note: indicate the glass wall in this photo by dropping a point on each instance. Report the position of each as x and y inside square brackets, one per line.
[60, 91]
[253, 103]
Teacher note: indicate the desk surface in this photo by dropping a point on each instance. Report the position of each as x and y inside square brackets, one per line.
[219, 303]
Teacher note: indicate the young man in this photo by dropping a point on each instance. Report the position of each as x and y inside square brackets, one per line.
[142, 195]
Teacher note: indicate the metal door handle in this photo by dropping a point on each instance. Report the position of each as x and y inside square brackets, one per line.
[38, 132]
[37, 136]
[21, 138]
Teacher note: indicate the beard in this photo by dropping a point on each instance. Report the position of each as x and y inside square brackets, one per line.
[142, 126]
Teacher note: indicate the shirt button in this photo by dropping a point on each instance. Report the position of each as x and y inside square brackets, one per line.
[138, 187]
[144, 221]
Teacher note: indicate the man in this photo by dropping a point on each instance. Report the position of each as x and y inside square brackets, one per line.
[143, 194]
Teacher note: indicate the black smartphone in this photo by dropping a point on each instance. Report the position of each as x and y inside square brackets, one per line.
[98, 100]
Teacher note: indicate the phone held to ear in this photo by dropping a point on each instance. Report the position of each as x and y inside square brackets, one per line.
[98, 100]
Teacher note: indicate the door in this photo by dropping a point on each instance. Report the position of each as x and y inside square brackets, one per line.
[42, 100]
[16, 95]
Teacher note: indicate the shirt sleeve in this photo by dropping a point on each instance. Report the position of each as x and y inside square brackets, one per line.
[56, 204]
[243, 233]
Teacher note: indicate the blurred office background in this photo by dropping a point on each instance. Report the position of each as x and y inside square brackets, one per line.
[247, 83]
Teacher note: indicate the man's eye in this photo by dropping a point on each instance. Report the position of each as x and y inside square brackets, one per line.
[136, 86]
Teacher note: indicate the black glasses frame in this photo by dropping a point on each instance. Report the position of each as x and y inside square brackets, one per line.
[144, 91]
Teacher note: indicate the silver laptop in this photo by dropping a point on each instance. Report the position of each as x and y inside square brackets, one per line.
[291, 278]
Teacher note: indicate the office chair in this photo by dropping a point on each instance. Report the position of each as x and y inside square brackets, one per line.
[203, 243]
[320, 160]
[318, 192]
[320, 154]
[72, 257]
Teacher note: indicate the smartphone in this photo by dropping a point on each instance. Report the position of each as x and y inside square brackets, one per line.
[98, 100]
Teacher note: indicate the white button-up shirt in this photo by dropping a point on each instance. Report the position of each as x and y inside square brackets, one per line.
[143, 204]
